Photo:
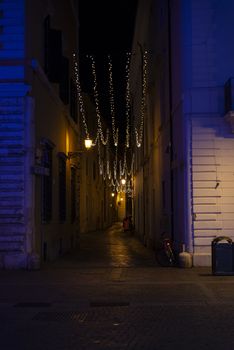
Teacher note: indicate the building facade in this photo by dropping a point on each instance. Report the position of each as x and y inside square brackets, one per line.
[97, 208]
[184, 171]
[39, 130]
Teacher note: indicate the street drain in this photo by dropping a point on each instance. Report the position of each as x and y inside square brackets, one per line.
[108, 303]
[32, 304]
[60, 316]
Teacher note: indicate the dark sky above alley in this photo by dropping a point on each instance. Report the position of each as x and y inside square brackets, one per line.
[106, 27]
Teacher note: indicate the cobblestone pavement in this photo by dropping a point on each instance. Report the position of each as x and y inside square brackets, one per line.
[110, 294]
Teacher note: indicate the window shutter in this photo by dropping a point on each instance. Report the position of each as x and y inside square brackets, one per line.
[53, 52]
[64, 81]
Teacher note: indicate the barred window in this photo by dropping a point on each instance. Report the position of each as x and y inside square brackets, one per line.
[73, 194]
[62, 187]
[47, 184]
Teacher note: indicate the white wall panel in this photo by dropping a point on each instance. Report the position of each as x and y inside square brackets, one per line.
[212, 164]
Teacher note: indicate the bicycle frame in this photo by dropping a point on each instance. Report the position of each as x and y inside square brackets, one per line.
[165, 255]
[167, 245]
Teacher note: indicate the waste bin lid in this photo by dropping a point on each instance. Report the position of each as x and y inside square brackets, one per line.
[222, 238]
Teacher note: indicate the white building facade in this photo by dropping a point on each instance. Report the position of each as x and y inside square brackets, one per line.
[188, 153]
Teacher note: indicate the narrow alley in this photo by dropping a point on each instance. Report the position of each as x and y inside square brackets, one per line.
[110, 248]
[110, 294]
[116, 115]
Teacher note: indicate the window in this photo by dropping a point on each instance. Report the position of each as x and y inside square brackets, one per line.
[52, 52]
[47, 183]
[73, 101]
[64, 81]
[56, 65]
[62, 187]
[73, 194]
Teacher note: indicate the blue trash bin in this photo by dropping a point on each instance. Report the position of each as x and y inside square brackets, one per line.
[222, 256]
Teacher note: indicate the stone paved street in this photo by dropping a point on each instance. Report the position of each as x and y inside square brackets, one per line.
[110, 294]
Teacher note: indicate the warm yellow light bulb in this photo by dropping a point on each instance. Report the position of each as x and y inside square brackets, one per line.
[123, 181]
[88, 143]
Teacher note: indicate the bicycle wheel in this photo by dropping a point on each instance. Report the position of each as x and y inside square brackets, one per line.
[163, 259]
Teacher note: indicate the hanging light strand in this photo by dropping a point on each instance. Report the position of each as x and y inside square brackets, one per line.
[80, 98]
[139, 134]
[115, 163]
[108, 170]
[115, 131]
[130, 173]
[122, 169]
[96, 99]
[99, 157]
[128, 102]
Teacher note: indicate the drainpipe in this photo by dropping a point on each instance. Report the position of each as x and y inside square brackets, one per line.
[187, 193]
[170, 120]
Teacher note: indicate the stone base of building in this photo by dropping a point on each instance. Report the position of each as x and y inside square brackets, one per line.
[201, 259]
[17, 261]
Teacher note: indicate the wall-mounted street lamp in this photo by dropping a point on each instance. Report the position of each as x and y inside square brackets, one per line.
[112, 194]
[88, 143]
[123, 181]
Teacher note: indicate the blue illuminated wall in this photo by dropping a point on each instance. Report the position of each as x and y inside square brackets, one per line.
[202, 61]
[12, 27]
[206, 41]
[13, 226]
[224, 39]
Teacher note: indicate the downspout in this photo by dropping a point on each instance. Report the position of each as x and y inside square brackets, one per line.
[187, 193]
[170, 121]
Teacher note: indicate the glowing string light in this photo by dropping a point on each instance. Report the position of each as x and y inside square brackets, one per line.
[80, 98]
[132, 165]
[128, 102]
[115, 132]
[96, 99]
[99, 158]
[115, 163]
[139, 134]
[108, 171]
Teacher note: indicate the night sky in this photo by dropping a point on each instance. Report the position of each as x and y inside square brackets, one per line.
[106, 27]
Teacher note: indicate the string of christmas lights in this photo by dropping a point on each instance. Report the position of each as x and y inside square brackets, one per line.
[100, 163]
[112, 172]
[79, 94]
[115, 131]
[115, 163]
[108, 170]
[139, 134]
[128, 101]
[130, 173]
[96, 99]
[124, 171]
